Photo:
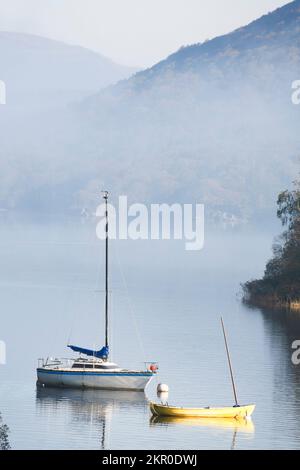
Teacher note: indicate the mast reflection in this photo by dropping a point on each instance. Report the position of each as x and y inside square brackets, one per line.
[93, 407]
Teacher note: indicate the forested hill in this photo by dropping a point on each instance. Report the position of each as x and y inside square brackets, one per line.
[212, 123]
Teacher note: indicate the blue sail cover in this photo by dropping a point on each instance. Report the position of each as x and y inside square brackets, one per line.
[102, 354]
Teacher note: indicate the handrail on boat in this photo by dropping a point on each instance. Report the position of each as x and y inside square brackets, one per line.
[55, 361]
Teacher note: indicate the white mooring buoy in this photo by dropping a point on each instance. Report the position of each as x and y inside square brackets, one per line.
[162, 388]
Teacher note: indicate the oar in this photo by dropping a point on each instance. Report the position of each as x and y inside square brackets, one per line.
[229, 362]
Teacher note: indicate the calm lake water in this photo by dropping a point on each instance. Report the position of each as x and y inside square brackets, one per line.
[166, 307]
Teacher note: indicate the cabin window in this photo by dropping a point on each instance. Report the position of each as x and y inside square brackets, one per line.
[78, 365]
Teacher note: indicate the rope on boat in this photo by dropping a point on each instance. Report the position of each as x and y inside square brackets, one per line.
[95, 289]
[131, 309]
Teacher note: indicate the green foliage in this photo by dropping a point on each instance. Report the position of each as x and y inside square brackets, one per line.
[281, 281]
[289, 206]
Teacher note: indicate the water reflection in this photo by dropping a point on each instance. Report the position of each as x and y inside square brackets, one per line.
[282, 388]
[167, 298]
[283, 328]
[4, 430]
[236, 426]
[90, 407]
[244, 425]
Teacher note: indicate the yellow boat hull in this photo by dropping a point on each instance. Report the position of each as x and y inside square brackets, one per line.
[240, 412]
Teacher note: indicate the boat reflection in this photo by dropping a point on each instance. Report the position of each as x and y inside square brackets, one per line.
[92, 407]
[236, 425]
[245, 425]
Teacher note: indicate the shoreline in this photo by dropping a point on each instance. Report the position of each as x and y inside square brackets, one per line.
[274, 303]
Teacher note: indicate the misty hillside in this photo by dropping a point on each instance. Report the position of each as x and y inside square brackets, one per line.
[40, 71]
[212, 123]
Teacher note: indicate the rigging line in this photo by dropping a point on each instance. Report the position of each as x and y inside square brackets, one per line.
[74, 317]
[68, 306]
[97, 283]
[93, 289]
[111, 326]
[133, 316]
[112, 314]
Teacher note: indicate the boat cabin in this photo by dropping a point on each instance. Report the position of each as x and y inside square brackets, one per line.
[83, 363]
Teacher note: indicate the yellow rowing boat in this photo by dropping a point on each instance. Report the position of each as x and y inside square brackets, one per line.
[234, 412]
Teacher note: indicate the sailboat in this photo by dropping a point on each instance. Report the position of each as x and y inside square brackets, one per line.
[93, 369]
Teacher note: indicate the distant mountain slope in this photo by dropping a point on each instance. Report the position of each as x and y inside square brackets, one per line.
[213, 122]
[275, 30]
[265, 39]
[37, 69]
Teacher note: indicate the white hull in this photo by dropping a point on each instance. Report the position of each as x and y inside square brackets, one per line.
[121, 380]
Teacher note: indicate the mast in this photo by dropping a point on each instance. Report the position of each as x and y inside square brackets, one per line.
[229, 362]
[105, 197]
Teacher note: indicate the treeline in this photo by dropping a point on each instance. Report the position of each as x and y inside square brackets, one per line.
[280, 285]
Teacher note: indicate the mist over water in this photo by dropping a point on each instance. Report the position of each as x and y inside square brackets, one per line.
[168, 310]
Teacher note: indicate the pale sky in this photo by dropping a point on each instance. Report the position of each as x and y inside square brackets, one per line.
[131, 32]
